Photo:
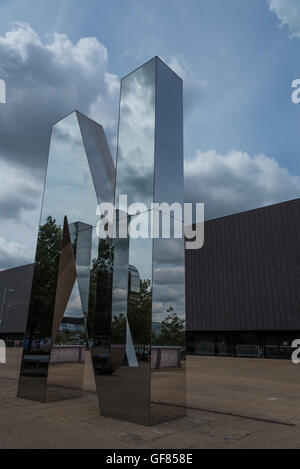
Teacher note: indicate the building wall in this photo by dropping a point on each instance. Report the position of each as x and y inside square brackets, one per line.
[246, 276]
[14, 313]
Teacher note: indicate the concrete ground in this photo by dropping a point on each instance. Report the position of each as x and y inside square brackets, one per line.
[232, 403]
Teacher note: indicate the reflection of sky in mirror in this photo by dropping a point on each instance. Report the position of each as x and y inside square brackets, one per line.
[168, 137]
[74, 306]
[81, 235]
[140, 256]
[69, 187]
[120, 277]
[140, 249]
[135, 160]
[168, 278]
[87, 251]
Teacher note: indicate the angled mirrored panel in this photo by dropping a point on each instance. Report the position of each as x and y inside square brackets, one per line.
[79, 172]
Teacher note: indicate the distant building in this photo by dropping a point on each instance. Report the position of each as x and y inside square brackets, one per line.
[133, 286]
[243, 295]
[15, 286]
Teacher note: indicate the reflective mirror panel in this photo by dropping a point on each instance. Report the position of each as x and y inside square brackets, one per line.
[125, 394]
[168, 357]
[69, 187]
[169, 184]
[135, 157]
[67, 251]
[168, 360]
[124, 380]
[129, 293]
[148, 301]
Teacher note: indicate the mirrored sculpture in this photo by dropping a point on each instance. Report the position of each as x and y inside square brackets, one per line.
[124, 298]
[80, 174]
[149, 386]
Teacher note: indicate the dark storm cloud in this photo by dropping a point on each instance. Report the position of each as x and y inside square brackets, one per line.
[44, 83]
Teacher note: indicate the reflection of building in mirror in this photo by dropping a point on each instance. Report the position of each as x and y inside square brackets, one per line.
[133, 285]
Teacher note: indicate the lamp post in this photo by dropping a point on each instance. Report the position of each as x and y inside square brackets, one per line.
[6, 290]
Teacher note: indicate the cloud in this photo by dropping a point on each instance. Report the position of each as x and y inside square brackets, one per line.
[288, 12]
[19, 191]
[45, 81]
[193, 87]
[236, 181]
[48, 79]
[20, 203]
[13, 254]
[169, 275]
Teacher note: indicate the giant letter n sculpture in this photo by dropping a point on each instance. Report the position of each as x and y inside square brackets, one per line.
[128, 292]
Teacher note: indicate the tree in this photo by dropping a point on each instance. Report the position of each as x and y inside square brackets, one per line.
[45, 279]
[172, 330]
[139, 315]
[99, 308]
[118, 329]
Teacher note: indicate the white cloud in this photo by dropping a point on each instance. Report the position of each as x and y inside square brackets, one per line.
[20, 202]
[19, 191]
[288, 12]
[193, 87]
[237, 181]
[13, 254]
[45, 81]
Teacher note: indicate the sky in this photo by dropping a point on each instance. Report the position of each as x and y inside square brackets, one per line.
[237, 60]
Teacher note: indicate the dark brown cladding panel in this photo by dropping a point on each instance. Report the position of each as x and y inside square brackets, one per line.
[14, 311]
[247, 275]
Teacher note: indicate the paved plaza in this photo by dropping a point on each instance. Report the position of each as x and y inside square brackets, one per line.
[232, 403]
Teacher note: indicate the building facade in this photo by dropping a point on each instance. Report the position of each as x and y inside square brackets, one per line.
[243, 294]
[15, 285]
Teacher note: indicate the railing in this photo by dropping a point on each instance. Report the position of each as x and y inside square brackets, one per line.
[248, 351]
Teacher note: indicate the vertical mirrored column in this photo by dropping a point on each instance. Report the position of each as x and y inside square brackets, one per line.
[148, 277]
[125, 394]
[168, 376]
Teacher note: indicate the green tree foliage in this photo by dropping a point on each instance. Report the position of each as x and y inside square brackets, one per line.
[139, 314]
[99, 309]
[118, 329]
[172, 330]
[45, 279]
